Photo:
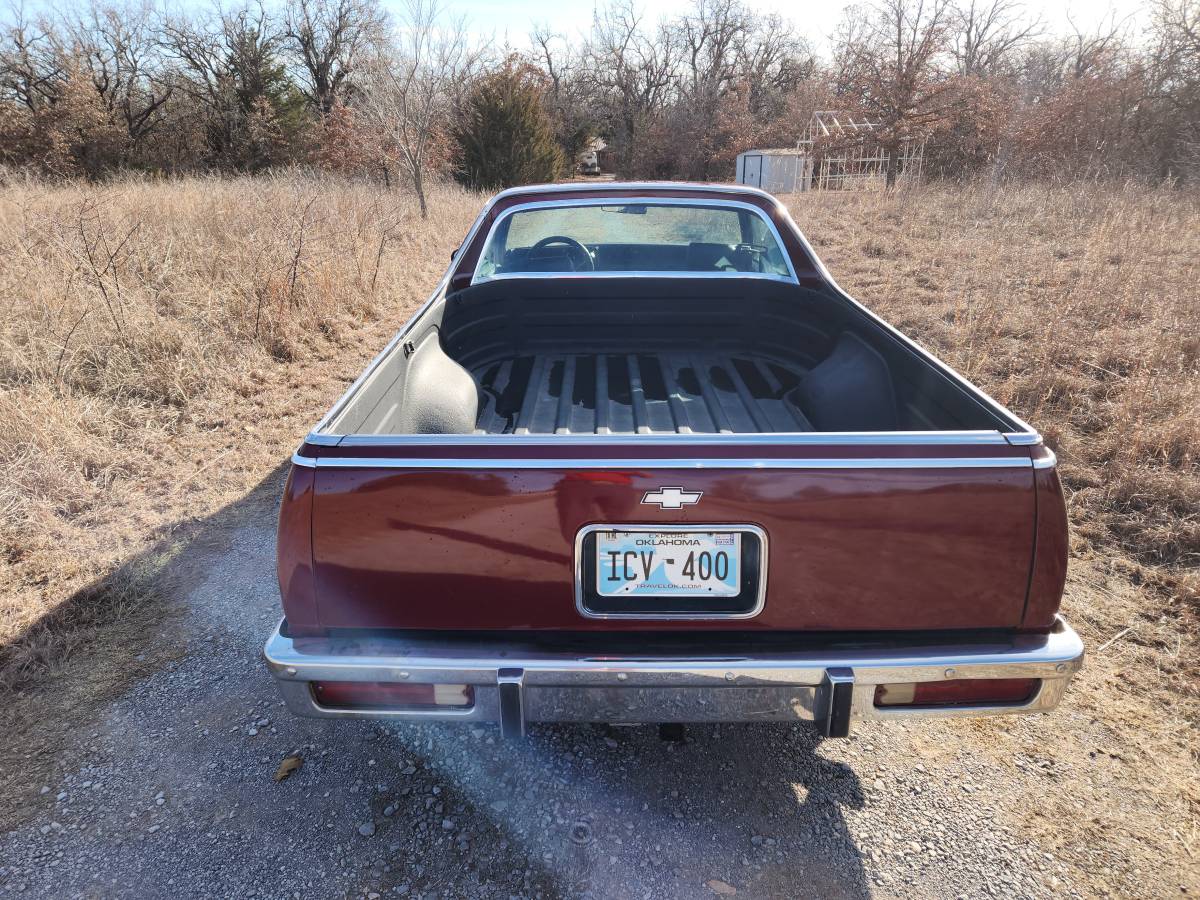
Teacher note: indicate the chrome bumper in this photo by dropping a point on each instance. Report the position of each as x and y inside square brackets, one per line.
[514, 685]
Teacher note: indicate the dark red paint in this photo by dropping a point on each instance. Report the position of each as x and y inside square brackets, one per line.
[867, 549]
[1048, 575]
[293, 550]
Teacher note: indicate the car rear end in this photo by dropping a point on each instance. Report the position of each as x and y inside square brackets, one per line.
[811, 575]
[532, 579]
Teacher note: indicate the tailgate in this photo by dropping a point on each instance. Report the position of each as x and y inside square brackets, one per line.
[483, 535]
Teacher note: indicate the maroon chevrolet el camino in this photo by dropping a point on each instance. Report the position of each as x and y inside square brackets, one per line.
[639, 459]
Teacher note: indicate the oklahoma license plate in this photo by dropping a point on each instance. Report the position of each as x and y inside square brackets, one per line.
[668, 563]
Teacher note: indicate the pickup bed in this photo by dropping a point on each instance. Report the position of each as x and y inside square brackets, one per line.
[639, 459]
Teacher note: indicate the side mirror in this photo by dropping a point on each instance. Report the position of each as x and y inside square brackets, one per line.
[454, 254]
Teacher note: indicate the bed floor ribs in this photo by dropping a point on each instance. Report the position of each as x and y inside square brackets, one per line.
[636, 393]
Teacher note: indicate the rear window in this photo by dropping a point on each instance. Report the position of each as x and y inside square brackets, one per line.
[622, 238]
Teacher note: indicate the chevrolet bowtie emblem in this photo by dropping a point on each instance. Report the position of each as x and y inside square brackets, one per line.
[672, 497]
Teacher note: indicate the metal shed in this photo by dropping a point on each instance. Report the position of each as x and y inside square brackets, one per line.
[781, 171]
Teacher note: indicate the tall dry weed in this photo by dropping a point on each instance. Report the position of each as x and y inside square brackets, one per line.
[145, 326]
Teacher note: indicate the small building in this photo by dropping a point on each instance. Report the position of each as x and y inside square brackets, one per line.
[836, 151]
[780, 171]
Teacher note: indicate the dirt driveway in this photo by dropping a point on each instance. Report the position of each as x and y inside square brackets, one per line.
[166, 789]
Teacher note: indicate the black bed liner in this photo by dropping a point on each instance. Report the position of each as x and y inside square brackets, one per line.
[684, 391]
[655, 356]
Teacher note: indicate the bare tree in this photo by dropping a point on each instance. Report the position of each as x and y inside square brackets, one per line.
[569, 94]
[987, 33]
[1051, 65]
[711, 37]
[224, 56]
[736, 65]
[774, 60]
[118, 47]
[1176, 86]
[678, 96]
[328, 37]
[407, 89]
[1177, 29]
[1087, 51]
[888, 59]
[32, 69]
[231, 68]
[636, 75]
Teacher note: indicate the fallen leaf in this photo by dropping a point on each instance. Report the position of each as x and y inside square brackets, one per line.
[289, 765]
[723, 888]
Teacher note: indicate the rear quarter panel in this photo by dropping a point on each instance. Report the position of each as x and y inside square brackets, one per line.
[1048, 574]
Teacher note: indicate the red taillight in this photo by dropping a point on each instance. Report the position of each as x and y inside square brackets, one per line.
[956, 692]
[386, 695]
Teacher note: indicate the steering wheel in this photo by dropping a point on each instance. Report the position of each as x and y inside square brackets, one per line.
[579, 255]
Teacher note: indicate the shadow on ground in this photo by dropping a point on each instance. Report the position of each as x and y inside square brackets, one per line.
[56, 674]
[615, 812]
[158, 740]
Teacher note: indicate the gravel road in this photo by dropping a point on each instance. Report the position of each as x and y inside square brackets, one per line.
[168, 791]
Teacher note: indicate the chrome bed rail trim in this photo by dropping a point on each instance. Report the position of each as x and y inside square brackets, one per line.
[617, 186]
[323, 440]
[657, 681]
[1047, 461]
[1022, 438]
[629, 273]
[450, 462]
[772, 438]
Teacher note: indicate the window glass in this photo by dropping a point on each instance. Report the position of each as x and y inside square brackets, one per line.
[625, 237]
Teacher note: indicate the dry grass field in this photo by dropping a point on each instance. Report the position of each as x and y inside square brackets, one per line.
[157, 346]
[165, 345]
[147, 325]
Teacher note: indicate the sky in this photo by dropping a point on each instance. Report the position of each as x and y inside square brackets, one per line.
[510, 21]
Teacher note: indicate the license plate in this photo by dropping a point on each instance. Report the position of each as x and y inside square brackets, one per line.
[668, 563]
